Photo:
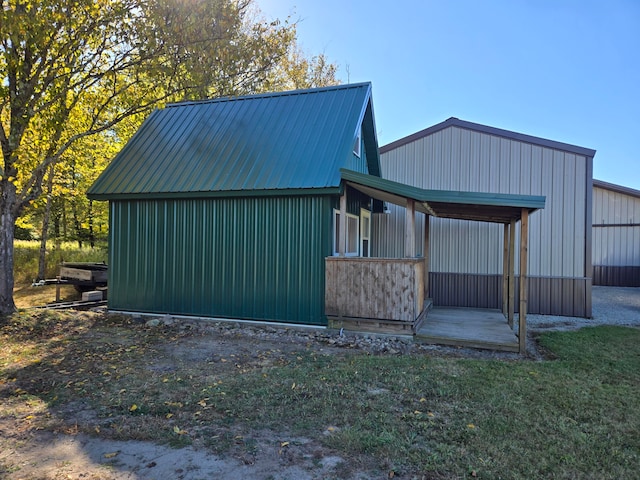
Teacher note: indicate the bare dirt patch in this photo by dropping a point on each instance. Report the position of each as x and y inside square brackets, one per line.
[45, 438]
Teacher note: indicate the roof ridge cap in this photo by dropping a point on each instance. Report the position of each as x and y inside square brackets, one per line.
[283, 93]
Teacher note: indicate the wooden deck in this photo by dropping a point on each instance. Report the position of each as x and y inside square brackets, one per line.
[468, 327]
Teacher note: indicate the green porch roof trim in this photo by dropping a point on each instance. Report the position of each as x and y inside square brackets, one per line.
[284, 143]
[480, 206]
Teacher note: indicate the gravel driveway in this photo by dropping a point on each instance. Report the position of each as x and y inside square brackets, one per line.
[611, 306]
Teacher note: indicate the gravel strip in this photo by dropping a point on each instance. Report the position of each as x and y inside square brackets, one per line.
[611, 306]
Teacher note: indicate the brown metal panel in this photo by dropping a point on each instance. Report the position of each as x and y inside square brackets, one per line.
[579, 299]
[606, 275]
[588, 312]
[471, 289]
[555, 306]
[597, 269]
[568, 300]
[548, 296]
[465, 290]
[534, 294]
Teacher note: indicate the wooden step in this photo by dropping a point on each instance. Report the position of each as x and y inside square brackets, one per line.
[428, 305]
[371, 325]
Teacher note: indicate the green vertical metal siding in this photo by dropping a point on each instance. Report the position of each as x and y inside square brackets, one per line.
[358, 163]
[251, 258]
[355, 201]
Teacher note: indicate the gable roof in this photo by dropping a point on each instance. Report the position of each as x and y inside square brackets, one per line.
[275, 143]
[476, 127]
[616, 188]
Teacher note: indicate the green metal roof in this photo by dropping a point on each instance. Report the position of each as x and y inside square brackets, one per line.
[278, 143]
[485, 207]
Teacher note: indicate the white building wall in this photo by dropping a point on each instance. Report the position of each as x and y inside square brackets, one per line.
[616, 228]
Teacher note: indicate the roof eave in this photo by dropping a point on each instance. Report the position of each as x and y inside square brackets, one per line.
[616, 188]
[290, 192]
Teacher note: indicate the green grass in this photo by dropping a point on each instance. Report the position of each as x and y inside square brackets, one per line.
[576, 415]
[26, 258]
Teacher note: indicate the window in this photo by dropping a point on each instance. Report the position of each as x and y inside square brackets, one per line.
[353, 237]
[357, 144]
[365, 233]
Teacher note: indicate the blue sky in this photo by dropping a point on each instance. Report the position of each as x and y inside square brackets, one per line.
[559, 69]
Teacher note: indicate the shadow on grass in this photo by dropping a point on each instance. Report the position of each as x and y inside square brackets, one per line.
[574, 417]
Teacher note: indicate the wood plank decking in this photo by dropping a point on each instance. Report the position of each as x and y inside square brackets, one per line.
[468, 327]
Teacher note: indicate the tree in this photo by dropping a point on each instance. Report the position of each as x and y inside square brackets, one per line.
[72, 69]
[297, 70]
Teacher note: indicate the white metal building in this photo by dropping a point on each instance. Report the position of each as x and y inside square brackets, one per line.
[466, 266]
[616, 235]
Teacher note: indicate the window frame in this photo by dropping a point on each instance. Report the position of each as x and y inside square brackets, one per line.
[357, 145]
[336, 248]
[365, 219]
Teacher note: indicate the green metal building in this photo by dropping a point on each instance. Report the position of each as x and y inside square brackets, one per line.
[226, 208]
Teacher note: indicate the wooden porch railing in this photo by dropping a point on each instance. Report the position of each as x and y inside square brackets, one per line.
[390, 290]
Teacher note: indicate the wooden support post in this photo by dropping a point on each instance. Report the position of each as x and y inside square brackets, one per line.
[524, 250]
[57, 288]
[342, 230]
[427, 233]
[505, 271]
[512, 272]
[410, 230]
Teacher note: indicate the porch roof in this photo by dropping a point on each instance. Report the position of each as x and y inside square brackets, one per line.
[484, 207]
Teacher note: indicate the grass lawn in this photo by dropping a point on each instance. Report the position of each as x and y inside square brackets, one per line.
[575, 415]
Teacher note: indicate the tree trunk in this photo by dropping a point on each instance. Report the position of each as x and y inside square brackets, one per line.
[74, 206]
[76, 224]
[92, 235]
[8, 201]
[42, 260]
[64, 219]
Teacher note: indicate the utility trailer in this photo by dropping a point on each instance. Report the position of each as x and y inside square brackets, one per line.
[84, 276]
[88, 278]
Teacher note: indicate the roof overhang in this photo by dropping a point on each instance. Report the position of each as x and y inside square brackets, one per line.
[616, 188]
[288, 192]
[498, 132]
[479, 206]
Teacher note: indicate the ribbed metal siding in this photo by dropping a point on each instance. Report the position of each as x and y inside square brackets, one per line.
[613, 276]
[549, 296]
[276, 141]
[250, 258]
[358, 163]
[617, 245]
[460, 159]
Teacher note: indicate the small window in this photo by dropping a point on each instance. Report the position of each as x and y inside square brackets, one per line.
[357, 144]
[353, 234]
[365, 233]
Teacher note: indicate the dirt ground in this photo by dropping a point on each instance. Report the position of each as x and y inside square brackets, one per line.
[46, 455]
[27, 453]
